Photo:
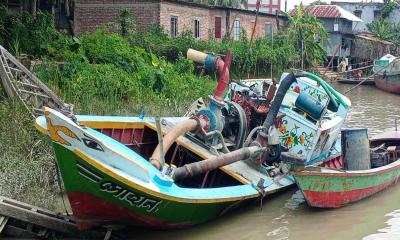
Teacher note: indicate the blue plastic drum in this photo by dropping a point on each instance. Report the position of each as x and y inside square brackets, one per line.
[314, 108]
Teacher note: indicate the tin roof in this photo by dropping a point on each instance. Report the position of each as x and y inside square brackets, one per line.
[328, 11]
[370, 37]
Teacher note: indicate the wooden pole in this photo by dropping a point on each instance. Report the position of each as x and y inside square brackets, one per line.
[160, 141]
[33, 7]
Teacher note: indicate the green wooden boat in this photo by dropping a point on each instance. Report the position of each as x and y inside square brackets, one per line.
[334, 187]
[179, 171]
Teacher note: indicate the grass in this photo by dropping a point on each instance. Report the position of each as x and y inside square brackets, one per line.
[27, 166]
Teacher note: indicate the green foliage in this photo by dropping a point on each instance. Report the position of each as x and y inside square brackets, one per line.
[35, 36]
[279, 52]
[107, 68]
[385, 30]
[318, 2]
[307, 32]
[388, 7]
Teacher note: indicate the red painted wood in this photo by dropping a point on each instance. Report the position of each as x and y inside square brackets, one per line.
[393, 87]
[88, 209]
[338, 199]
[217, 27]
[127, 135]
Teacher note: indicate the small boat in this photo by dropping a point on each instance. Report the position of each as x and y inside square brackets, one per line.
[332, 186]
[181, 171]
[361, 81]
[387, 73]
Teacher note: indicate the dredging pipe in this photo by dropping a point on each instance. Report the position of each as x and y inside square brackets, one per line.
[213, 63]
[196, 168]
[210, 118]
[178, 130]
[284, 86]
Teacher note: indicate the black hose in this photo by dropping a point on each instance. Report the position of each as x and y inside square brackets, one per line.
[284, 86]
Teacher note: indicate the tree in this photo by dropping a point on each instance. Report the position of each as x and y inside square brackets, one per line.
[385, 30]
[308, 34]
[318, 2]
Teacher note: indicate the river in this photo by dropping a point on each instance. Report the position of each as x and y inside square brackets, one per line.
[287, 216]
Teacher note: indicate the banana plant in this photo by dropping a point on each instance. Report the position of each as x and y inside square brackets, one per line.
[307, 33]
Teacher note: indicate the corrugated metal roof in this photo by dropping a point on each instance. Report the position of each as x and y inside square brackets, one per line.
[328, 11]
[373, 39]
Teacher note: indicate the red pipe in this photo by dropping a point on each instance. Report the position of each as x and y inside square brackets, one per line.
[223, 71]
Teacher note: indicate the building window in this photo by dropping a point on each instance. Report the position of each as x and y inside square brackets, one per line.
[174, 26]
[196, 29]
[377, 14]
[236, 30]
[358, 13]
[217, 27]
[268, 29]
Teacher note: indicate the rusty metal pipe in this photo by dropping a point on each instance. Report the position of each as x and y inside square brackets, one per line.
[185, 126]
[196, 168]
[223, 73]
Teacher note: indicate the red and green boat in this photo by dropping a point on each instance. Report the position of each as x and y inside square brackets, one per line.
[333, 187]
[387, 73]
[183, 171]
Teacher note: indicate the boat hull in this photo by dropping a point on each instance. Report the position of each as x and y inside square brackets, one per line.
[356, 81]
[336, 189]
[99, 198]
[388, 83]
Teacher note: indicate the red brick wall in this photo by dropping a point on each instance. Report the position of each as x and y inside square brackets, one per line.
[217, 13]
[186, 15]
[91, 14]
[247, 21]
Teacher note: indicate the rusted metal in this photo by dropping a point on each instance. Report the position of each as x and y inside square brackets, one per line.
[326, 11]
[224, 78]
[193, 169]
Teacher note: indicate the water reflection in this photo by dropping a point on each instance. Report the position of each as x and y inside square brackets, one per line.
[392, 231]
[371, 108]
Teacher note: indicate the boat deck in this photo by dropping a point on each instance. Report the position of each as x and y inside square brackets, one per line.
[240, 170]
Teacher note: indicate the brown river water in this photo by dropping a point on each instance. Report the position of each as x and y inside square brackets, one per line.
[286, 215]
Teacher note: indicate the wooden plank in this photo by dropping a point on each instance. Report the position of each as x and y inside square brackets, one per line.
[39, 216]
[27, 84]
[33, 93]
[3, 222]
[33, 78]
[4, 78]
[19, 233]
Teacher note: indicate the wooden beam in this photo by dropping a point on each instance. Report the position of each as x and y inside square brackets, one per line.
[38, 216]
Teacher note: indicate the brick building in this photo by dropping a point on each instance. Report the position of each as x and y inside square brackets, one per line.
[206, 22]
[268, 6]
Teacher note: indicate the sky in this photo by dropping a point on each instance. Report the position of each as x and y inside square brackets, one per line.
[292, 3]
